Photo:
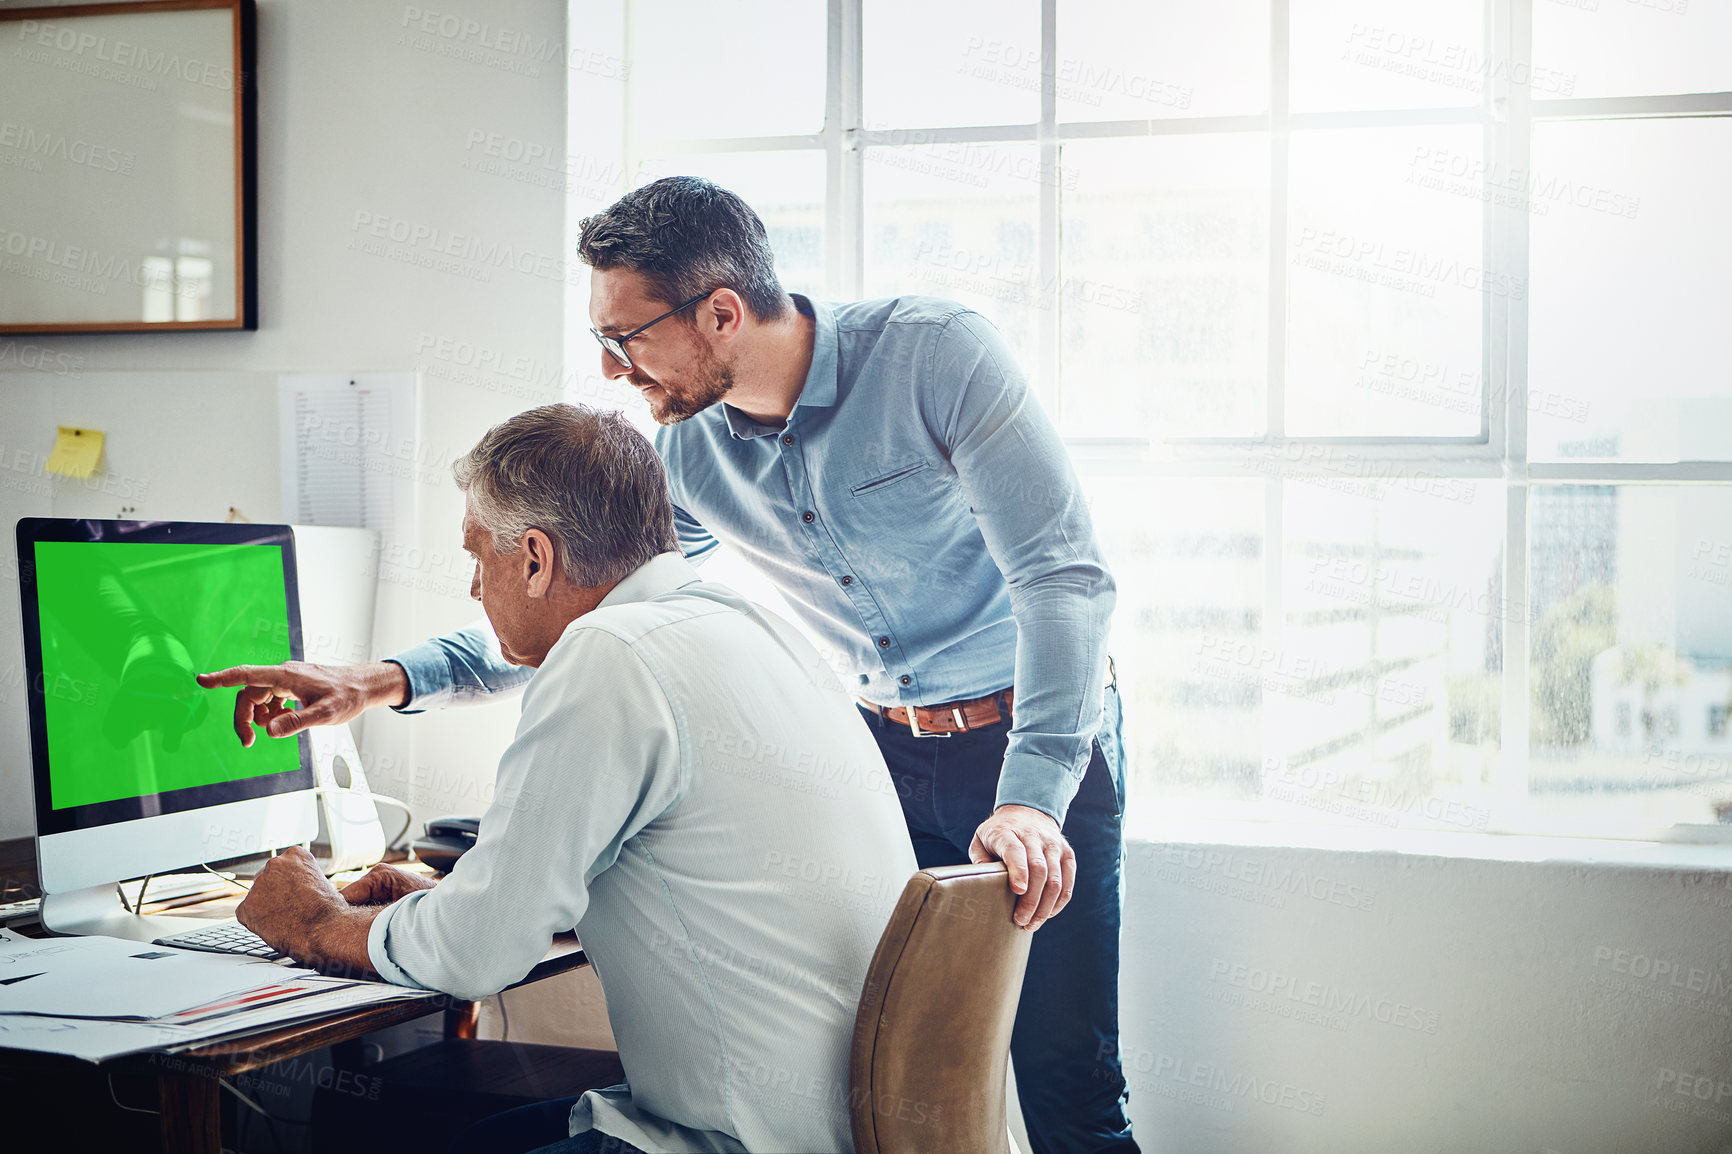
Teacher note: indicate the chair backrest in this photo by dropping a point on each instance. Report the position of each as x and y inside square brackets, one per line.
[932, 1035]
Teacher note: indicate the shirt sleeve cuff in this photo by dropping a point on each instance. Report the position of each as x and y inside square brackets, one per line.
[1037, 782]
[429, 671]
[379, 948]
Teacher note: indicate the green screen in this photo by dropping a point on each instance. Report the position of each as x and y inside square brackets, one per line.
[125, 627]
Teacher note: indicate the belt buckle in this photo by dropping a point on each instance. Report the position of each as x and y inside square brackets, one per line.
[914, 725]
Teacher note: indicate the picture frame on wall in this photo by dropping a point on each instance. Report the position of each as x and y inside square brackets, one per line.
[128, 166]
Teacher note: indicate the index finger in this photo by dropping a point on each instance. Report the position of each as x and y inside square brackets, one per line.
[273, 676]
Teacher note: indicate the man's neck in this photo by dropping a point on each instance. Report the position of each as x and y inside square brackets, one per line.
[564, 604]
[771, 371]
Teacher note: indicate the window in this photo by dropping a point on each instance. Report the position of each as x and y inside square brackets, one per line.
[1387, 337]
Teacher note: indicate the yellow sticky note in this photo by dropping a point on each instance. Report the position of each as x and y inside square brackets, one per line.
[76, 452]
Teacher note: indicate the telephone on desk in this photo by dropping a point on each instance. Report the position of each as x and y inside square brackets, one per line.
[447, 839]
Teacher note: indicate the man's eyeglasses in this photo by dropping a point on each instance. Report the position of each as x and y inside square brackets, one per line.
[615, 346]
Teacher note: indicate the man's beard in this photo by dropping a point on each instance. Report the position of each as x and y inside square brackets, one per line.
[708, 383]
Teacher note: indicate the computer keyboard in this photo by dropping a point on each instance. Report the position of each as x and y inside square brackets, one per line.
[221, 938]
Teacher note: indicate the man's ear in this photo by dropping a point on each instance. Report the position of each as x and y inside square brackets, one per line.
[540, 562]
[729, 314]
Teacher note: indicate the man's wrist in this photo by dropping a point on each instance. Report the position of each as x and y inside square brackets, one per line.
[389, 685]
[338, 941]
[1031, 810]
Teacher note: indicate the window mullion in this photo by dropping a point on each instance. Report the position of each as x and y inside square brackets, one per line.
[630, 154]
[1273, 626]
[1272, 635]
[1049, 315]
[1512, 25]
[1276, 420]
[844, 227]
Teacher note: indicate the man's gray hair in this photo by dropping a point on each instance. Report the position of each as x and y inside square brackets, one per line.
[586, 478]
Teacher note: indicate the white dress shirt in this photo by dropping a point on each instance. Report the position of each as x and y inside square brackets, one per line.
[691, 788]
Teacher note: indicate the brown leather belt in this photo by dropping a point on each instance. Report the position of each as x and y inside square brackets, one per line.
[944, 720]
[959, 716]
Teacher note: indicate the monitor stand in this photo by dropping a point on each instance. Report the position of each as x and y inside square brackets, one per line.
[97, 911]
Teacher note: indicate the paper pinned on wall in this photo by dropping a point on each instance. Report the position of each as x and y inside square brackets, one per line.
[76, 452]
[348, 450]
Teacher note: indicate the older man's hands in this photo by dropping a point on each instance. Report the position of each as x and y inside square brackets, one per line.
[382, 885]
[298, 912]
[1041, 863]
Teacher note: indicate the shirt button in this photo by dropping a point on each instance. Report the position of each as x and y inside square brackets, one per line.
[806, 517]
[847, 580]
[787, 438]
[906, 680]
[884, 643]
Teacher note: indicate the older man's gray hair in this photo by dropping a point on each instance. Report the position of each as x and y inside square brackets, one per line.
[586, 478]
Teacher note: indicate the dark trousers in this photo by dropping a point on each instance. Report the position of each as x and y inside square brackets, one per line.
[539, 1128]
[1065, 1046]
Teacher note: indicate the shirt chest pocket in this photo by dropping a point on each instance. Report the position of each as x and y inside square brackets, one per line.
[920, 471]
[918, 505]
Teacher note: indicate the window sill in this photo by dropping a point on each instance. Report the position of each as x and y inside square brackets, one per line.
[1666, 850]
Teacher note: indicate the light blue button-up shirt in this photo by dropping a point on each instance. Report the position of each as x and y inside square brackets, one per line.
[692, 789]
[920, 512]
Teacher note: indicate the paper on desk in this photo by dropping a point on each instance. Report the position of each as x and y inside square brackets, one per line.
[247, 1000]
[341, 995]
[98, 1041]
[98, 977]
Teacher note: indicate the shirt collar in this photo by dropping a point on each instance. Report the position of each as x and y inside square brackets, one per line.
[662, 573]
[819, 391]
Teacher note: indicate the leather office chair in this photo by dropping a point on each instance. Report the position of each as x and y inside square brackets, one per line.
[932, 1035]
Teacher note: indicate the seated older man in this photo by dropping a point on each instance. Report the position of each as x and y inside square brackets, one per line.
[689, 786]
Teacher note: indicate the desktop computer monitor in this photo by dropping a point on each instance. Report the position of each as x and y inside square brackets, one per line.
[137, 769]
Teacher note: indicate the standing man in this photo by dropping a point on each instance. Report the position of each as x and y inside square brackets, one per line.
[884, 465]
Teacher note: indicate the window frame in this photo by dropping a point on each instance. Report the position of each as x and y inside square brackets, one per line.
[1507, 113]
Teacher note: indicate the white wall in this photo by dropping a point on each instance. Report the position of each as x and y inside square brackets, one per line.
[1535, 997]
[361, 119]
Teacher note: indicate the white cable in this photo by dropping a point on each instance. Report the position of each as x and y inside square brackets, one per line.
[408, 816]
[112, 1097]
[244, 887]
[250, 1104]
[408, 820]
[271, 1119]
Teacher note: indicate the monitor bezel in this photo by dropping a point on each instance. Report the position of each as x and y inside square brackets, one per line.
[34, 530]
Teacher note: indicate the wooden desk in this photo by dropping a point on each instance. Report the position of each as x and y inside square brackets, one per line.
[187, 1082]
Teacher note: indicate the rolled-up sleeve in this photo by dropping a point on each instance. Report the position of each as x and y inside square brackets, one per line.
[379, 943]
[1035, 521]
[596, 758]
[458, 668]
